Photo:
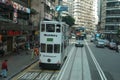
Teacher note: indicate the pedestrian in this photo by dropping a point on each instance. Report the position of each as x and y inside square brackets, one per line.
[2, 52]
[117, 50]
[4, 69]
[32, 54]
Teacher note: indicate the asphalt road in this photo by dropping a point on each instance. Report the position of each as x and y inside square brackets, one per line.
[108, 61]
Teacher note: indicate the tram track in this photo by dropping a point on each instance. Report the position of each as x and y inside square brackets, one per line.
[72, 64]
[78, 52]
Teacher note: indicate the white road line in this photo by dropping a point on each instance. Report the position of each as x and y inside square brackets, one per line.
[65, 66]
[102, 75]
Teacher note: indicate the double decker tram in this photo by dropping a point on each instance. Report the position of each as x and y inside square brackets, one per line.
[54, 41]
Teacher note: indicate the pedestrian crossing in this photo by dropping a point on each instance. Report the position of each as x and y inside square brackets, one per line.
[38, 75]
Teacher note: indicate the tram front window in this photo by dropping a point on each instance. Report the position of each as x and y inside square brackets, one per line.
[49, 48]
[43, 47]
[58, 28]
[57, 48]
[43, 27]
[50, 28]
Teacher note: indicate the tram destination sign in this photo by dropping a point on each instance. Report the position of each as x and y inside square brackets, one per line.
[50, 39]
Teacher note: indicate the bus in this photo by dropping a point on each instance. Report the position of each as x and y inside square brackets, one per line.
[54, 40]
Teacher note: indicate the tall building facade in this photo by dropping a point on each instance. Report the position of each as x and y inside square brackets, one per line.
[45, 10]
[83, 11]
[111, 18]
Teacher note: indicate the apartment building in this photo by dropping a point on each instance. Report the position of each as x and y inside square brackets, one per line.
[83, 11]
[110, 18]
[45, 10]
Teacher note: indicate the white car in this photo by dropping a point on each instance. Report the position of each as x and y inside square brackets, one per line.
[100, 43]
[112, 45]
[106, 42]
[73, 36]
[92, 39]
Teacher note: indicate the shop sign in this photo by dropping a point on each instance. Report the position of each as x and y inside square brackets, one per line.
[7, 2]
[13, 33]
[20, 7]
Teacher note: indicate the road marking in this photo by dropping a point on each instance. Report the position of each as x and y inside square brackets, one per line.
[100, 71]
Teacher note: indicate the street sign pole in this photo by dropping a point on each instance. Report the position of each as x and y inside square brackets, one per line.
[59, 12]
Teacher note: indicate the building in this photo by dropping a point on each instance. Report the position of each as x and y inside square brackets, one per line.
[14, 20]
[111, 18]
[83, 12]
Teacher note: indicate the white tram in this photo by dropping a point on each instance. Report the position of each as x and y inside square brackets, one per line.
[54, 42]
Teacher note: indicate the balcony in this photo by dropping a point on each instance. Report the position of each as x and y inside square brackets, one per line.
[113, 16]
[113, 23]
[113, 8]
[112, 1]
[110, 31]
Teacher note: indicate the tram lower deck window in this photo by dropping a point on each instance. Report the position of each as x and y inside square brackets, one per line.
[49, 48]
[57, 48]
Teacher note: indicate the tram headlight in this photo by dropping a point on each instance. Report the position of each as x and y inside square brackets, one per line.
[49, 60]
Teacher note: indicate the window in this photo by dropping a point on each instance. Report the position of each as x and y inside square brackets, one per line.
[50, 28]
[57, 48]
[42, 27]
[58, 28]
[43, 47]
[49, 48]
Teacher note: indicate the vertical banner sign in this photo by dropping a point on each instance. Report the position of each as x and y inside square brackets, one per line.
[0, 38]
[15, 16]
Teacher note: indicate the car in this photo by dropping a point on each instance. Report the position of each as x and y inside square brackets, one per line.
[92, 39]
[79, 43]
[73, 37]
[112, 45]
[106, 42]
[100, 43]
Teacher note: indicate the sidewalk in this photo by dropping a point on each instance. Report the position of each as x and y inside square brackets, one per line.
[17, 62]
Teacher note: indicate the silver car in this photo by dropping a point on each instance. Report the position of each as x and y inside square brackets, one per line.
[100, 43]
[112, 45]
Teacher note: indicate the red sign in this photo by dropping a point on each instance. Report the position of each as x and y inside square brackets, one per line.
[13, 33]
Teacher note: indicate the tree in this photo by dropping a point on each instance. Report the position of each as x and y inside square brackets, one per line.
[33, 11]
[69, 20]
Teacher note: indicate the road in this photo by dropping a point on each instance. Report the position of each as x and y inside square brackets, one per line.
[107, 66]
[103, 64]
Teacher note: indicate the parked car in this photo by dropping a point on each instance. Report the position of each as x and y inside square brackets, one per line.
[92, 39]
[100, 43]
[106, 42]
[112, 45]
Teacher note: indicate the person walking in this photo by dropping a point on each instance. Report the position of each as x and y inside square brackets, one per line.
[4, 68]
[117, 49]
[32, 54]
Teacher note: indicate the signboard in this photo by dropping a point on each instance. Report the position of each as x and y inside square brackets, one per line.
[50, 39]
[61, 8]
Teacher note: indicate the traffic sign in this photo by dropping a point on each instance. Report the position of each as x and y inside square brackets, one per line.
[61, 8]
